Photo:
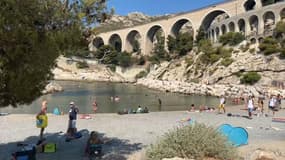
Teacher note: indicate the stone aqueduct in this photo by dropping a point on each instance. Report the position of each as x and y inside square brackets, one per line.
[251, 17]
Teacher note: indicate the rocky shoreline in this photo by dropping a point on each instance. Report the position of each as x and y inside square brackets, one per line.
[228, 90]
[97, 72]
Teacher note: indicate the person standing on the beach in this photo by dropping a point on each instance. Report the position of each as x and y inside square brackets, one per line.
[278, 101]
[260, 105]
[222, 104]
[43, 112]
[272, 104]
[159, 104]
[73, 111]
[94, 105]
[250, 106]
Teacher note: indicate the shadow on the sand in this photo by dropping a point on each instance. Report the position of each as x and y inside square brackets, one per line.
[115, 148]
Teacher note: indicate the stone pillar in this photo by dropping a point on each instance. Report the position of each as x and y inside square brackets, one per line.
[277, 16]
[143, 44]
[258, 4]
[260, 25]
[247, 27]
[215, 35]
[236, 27]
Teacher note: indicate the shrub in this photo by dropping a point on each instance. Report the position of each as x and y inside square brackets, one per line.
[124, 59]
[195, 141]
[227, 61]
[215, 55]
[159, 47]
[231, 38]
[250, 78]
[106, 54]
[279, 30]
[269, 46]
[141, 74]
[181, 44]
[82, 64]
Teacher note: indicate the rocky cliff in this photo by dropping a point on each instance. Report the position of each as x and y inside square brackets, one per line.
[191, 78]
[216, 79]
[132, 19]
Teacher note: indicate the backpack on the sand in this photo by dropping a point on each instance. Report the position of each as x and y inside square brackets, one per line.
[49, 148]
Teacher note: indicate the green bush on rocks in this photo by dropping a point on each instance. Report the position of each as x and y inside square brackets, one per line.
[231, 38]
[250, 78]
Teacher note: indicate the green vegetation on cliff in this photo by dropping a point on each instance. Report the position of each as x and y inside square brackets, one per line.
[275, 44]
[231, 38]
[181, 45]
[250, 78]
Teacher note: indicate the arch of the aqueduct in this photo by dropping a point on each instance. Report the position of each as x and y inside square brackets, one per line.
[250, 22]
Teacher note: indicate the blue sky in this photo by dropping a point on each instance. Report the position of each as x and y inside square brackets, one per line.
[157, 7]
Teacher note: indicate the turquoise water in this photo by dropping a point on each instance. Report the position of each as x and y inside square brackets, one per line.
[83, 93]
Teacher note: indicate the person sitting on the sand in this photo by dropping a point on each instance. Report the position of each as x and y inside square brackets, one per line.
[139, 110]
[93, 143]
[145, 110]
[192, 109]
[116, 99]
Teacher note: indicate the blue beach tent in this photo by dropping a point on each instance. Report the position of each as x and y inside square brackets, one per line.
[225, 129]
[236, 135]
[56, 111]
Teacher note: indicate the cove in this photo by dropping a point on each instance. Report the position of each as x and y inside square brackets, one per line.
[83, 94]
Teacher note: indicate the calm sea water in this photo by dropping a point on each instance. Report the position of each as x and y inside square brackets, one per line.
[83, 93]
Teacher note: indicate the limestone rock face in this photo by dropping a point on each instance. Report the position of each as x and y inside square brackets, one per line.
[52, 87]
[181, 77]
[131, 19]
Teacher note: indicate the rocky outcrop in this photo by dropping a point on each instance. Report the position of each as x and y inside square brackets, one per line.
[132, 19]
[66, 70]
[190, 77]
[181, 77]
[260, 154]
[52, 87]
[229, 90]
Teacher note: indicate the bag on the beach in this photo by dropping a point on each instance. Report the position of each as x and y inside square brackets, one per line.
[42, 121]
[50, 148]
[28, 154]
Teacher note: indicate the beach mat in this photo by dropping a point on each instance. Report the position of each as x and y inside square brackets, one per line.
[278, 119]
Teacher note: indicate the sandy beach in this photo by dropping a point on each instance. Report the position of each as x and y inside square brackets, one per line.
[129, 134]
